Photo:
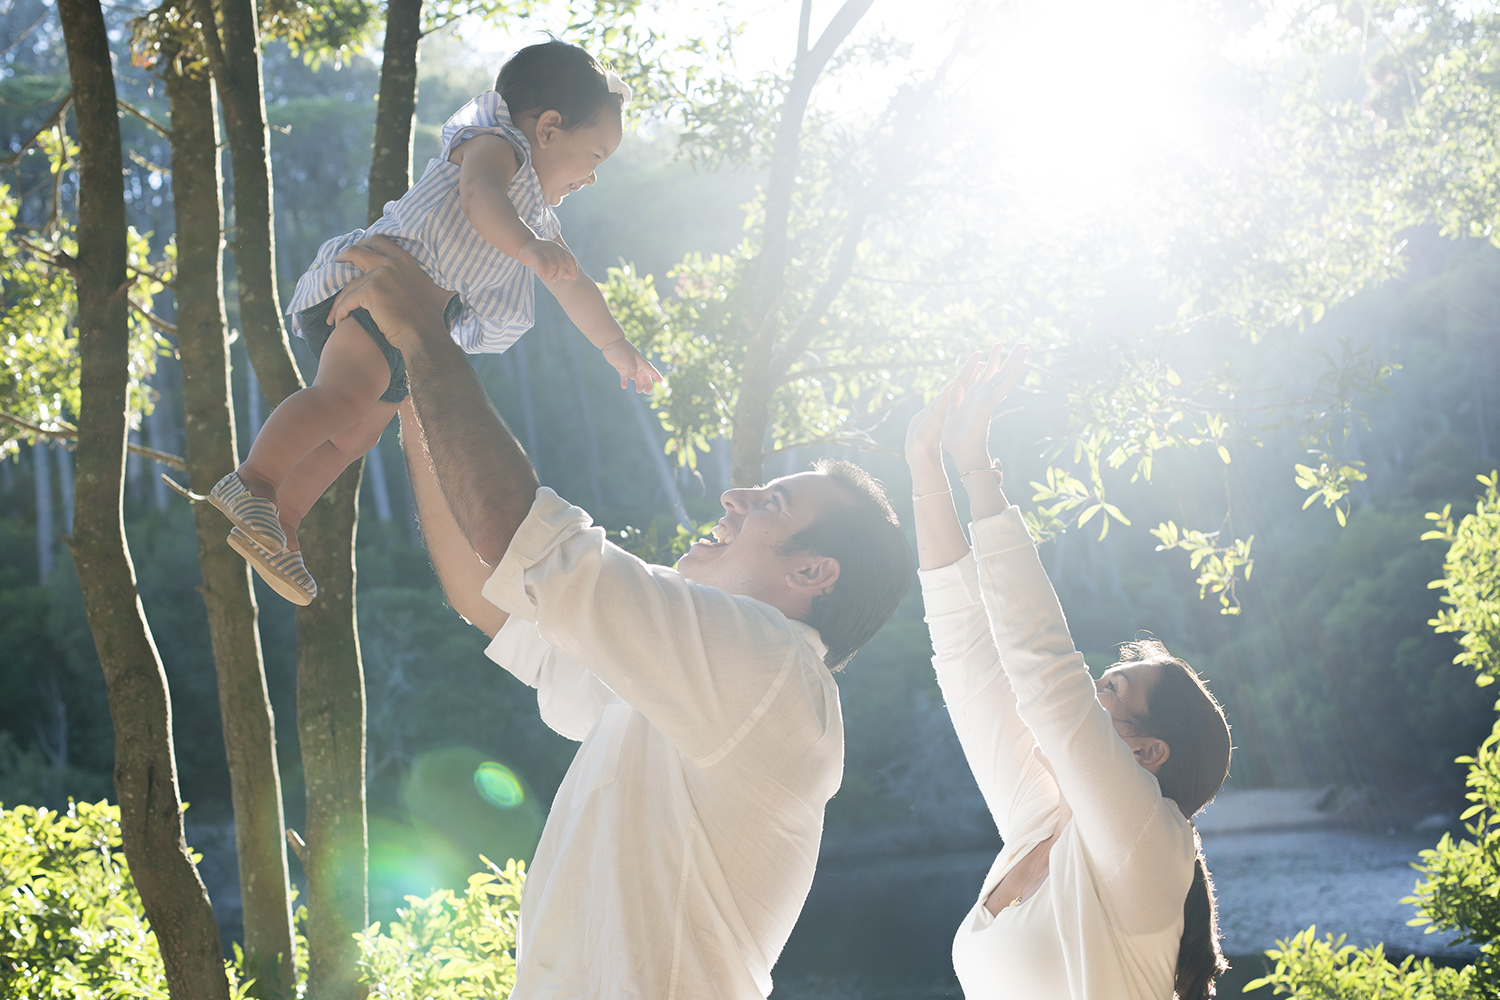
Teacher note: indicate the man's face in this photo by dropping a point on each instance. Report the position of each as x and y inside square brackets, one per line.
[746, 554]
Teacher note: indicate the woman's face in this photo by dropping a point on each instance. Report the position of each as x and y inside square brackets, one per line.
[1123, 690]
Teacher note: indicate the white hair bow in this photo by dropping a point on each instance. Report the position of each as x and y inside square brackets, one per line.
[617, 86]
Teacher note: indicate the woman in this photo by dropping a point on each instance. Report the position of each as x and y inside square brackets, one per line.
[1101, 890]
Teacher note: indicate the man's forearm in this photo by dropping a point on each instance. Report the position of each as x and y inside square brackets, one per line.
[485, 475]
[459, 570]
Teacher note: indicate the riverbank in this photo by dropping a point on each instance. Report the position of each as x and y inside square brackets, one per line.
[881, 928]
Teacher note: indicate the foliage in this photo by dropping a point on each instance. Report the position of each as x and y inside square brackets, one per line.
[71, 919]
[73, 926]
[1459, 891]
[651, 545]
[1310, 969]
[447, 947]
[1471, 579]
[38, 347]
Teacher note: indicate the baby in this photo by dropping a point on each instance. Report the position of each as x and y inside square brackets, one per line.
[480, 221]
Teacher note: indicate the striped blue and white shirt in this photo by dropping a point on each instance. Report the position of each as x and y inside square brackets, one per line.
[498, 291]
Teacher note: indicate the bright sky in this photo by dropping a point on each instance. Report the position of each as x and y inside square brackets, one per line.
[1080, 101]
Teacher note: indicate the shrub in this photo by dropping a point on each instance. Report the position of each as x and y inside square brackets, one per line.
[1462, 877]
[72, 925]
[70, 920]
[449, 947]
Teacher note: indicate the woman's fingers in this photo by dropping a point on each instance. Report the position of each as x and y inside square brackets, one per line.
[967, 371]
[992, 363]
[1005, 378]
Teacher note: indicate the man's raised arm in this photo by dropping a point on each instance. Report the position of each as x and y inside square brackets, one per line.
[459, 570]
[485, 475]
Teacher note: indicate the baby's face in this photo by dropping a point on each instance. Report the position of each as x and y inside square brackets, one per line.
[566, 160]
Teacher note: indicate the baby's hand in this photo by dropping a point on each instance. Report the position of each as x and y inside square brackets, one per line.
[631, 365]
[548, 259]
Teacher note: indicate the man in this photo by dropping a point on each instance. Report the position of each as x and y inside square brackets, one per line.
[681, 845]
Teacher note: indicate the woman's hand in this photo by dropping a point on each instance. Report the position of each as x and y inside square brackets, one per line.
[924, 435]
[966, 430]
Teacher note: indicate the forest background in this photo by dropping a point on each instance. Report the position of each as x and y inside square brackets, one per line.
[1329, 669]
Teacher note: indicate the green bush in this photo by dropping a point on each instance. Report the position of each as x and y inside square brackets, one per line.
[70, 922]
[448, 947]
[1462, 877]
[72, 925]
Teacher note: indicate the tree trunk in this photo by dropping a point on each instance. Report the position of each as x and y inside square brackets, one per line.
[41, 482]
[330, 685]
[244, 704]
[236, 68]
[145, 770]
[331, 727]
[390, 162]
[752, 405]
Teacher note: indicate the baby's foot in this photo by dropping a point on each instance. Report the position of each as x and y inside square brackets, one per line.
[254, 515]
[283, 569]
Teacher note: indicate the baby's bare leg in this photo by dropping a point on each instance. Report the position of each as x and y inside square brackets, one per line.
[310, 477]
[352, 375]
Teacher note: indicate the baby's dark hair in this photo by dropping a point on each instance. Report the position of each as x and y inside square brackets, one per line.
[556, 76]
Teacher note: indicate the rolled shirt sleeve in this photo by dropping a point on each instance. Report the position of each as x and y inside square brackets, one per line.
[648, 634]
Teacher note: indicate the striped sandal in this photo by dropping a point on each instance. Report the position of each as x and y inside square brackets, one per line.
[254, 516]
[283, 570]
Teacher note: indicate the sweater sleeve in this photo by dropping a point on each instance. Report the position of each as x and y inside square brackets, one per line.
[996, 742]
[1126, 825]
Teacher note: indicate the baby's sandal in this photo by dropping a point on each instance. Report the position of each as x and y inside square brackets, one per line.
[283, 570]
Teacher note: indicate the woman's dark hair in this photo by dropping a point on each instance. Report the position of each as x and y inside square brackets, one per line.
[556, 76]
[1184, 714]
[875, 562]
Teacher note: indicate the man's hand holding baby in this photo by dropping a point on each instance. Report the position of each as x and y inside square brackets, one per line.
[405, 303]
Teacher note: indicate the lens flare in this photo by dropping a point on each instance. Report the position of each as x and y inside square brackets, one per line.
[498, 785]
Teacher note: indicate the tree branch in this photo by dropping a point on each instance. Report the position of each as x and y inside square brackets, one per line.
[851, 369]
[68, 432]
[57, 113]
[132, 109]
[59, 260]
[170, 329]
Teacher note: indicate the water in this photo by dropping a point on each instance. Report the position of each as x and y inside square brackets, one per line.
[882, 929]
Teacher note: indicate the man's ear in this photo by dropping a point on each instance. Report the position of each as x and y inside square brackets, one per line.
[548, 125]
[815, 575]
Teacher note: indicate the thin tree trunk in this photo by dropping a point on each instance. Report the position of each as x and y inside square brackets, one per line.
[244, 704]
[330, 685]
[331, 728]
[752, 406]
[65, 485]
[41, 482]
[236, 68]
[390, 162]
[380, 490]
[145, 769]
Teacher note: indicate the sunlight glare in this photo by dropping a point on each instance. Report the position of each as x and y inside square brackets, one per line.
[1084, 97]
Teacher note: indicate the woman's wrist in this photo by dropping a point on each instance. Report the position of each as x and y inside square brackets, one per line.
[927, 474]
[972, 463]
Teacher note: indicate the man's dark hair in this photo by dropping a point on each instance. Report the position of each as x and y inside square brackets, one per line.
[875, 562]
[556, 76]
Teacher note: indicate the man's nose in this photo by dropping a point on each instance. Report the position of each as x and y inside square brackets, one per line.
[739, 501]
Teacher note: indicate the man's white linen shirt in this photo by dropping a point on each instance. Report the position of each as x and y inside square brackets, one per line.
[681, 845]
